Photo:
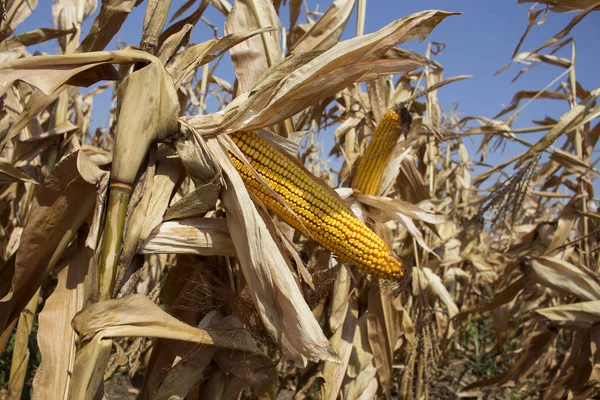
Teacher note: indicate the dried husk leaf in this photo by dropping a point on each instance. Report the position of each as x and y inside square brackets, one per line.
[403, 212]
[280, 304]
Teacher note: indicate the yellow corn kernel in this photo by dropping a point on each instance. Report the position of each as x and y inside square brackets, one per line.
[372, 164]
[317, 212]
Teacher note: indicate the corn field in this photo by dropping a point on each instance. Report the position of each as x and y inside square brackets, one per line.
[223, 252]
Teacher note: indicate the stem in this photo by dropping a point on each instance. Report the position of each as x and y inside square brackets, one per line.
[112, 238]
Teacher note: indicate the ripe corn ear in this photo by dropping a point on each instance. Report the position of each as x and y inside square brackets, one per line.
[370, 168]
[317, 212]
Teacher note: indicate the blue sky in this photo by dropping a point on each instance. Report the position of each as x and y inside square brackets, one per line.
[478, 43]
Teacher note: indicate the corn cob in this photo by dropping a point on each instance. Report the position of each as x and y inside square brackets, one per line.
[372, 164]
[317, 212]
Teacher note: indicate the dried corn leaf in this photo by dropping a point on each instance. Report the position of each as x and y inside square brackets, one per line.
[200, 236]
[196, 203]
[21, 352]
[564, 125]
[563, 276]
[197, 55]
[353, 60]
[565, 5]
[437, 289]
[56, 337]
[333, 372]
[62, 204]
[106, 25]
[328, 30]
[572, 316]
[149, 213]
[254, 56]
[15, 12]
[10, 173]
[34, 37]
[137, 315]
[386, 324]
[140, 124]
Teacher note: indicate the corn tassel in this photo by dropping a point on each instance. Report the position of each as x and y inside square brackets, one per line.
[311, 208]
[369, 172]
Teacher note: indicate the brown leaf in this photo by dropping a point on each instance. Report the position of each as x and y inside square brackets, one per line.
[385, 327]
[254, 56]
[62, 204]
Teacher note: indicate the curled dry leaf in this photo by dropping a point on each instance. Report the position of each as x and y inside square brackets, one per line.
[137, 315]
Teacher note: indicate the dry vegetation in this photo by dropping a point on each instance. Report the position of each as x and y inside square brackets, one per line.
[134, 263]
